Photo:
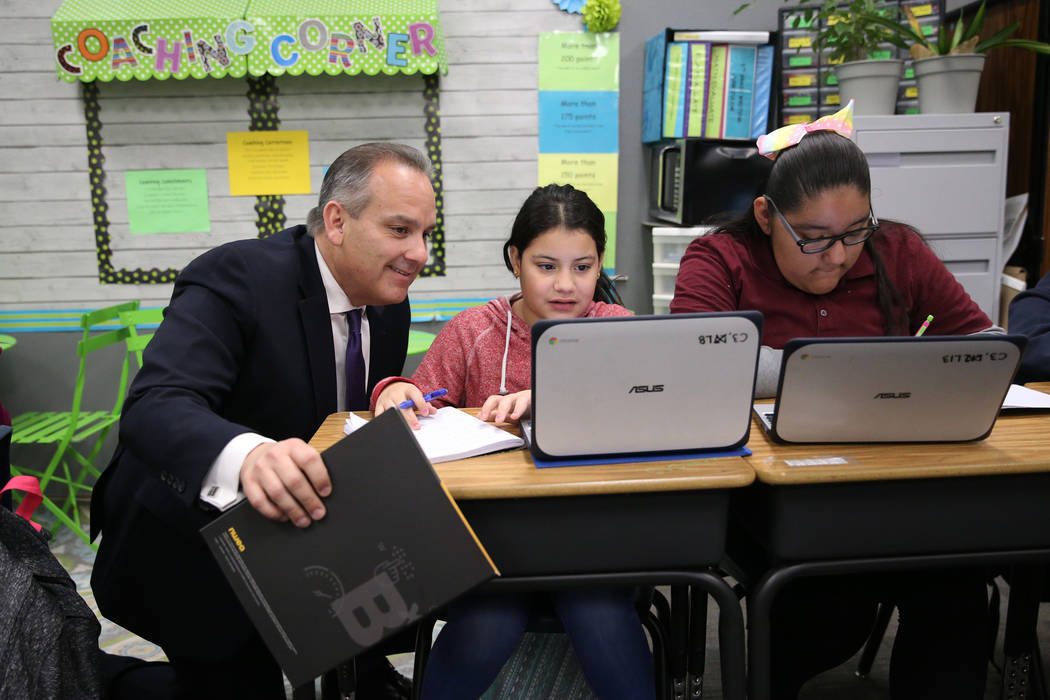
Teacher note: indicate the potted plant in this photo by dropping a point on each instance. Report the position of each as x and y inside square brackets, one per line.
[854, 46]
[948, 65]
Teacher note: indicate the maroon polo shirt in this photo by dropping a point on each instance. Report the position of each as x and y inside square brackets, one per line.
[721, 272]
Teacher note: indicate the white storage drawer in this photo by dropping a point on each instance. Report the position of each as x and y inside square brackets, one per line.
[669, 243]
[662, 303]
[664, 275]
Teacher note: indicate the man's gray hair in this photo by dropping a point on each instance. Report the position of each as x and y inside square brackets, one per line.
[346, 181]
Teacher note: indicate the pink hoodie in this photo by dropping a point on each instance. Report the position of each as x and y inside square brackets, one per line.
[476, 354]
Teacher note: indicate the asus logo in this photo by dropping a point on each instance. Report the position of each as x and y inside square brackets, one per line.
[643, 389]
[893, 395]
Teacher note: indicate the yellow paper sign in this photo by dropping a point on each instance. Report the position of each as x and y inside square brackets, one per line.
[594, 173]
[268, 162]
[800, 81]
[800, 42]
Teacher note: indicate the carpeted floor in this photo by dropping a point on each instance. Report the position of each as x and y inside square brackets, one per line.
[544, 665]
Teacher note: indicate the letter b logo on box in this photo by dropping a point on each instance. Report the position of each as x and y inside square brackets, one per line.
[374, 606]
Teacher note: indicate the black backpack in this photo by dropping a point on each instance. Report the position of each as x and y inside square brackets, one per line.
[48, 634]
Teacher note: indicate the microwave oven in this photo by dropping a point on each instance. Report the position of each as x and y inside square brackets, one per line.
[695, 181]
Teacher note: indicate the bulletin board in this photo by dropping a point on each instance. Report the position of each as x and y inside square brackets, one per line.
[254, 40]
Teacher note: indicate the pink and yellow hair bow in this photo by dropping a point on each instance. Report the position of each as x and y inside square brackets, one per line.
[786, 136]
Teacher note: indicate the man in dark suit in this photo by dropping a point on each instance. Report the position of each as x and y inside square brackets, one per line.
[250, 359]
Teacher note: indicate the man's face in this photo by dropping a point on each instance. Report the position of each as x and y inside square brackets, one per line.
[376, 256]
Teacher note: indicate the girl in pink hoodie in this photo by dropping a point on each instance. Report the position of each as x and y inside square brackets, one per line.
[482, 356]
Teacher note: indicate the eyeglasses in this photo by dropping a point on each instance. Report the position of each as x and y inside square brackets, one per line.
[811, 246]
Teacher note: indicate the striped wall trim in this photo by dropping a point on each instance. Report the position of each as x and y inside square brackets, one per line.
[426, 310]
[37, 321]
[41, 320]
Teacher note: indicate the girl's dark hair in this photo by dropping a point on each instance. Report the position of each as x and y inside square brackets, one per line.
[552, 206]
[821, 161]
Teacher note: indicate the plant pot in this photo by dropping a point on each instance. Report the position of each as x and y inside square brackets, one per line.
[948, 84]
[872, 84]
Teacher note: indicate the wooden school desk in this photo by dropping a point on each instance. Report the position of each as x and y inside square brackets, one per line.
[613, 524]
[835, 509]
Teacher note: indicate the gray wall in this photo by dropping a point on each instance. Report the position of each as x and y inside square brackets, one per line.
[640, 21]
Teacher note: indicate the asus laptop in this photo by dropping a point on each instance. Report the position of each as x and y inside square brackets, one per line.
[635, 385]
[891, 389]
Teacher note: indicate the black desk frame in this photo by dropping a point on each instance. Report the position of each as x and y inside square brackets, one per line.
[1020, 632]
[674, 537]
[901, 525]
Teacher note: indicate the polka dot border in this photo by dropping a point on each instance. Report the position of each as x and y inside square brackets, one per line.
[263, 107]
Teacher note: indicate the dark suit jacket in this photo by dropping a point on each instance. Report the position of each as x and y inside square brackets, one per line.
[1030, 316]
[246, 345]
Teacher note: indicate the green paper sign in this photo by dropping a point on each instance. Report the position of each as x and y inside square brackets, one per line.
[167, 201]
[579, 61]
[103, 40]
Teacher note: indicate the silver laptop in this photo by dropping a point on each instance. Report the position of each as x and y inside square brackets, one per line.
[931, 389]
[643, 384]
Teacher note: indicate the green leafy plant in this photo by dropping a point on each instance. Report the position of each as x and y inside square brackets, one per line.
[849, 31]
[951, 40]
[840, 28]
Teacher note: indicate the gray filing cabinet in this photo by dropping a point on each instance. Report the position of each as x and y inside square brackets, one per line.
[945, 174]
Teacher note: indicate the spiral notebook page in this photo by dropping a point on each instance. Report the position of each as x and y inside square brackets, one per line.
[451, 434]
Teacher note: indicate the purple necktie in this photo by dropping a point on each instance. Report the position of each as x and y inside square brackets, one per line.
[355, 364]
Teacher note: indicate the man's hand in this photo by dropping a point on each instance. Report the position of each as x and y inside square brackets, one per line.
[285, 481]
[396, 392]
[501, 408]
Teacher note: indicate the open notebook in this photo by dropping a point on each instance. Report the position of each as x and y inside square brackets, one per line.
[451, 434]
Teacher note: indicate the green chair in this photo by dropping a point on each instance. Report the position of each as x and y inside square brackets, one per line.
[419, 341]
[70, 466]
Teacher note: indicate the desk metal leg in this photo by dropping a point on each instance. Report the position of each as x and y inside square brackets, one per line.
[680, 601]
[697, 642]
[730, 634]
[1021, 677]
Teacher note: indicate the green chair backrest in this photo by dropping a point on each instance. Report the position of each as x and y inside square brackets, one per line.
[93, 341]
[137, 339]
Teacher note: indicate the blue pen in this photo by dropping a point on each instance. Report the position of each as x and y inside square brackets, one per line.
[426, 397]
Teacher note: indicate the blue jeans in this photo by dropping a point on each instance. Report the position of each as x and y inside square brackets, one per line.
[484, 629]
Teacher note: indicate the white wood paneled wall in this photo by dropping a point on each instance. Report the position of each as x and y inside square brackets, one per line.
[47, 251]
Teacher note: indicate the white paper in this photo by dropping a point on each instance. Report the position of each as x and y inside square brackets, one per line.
[451, 434]
[1022, 397]
[1015, 213]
